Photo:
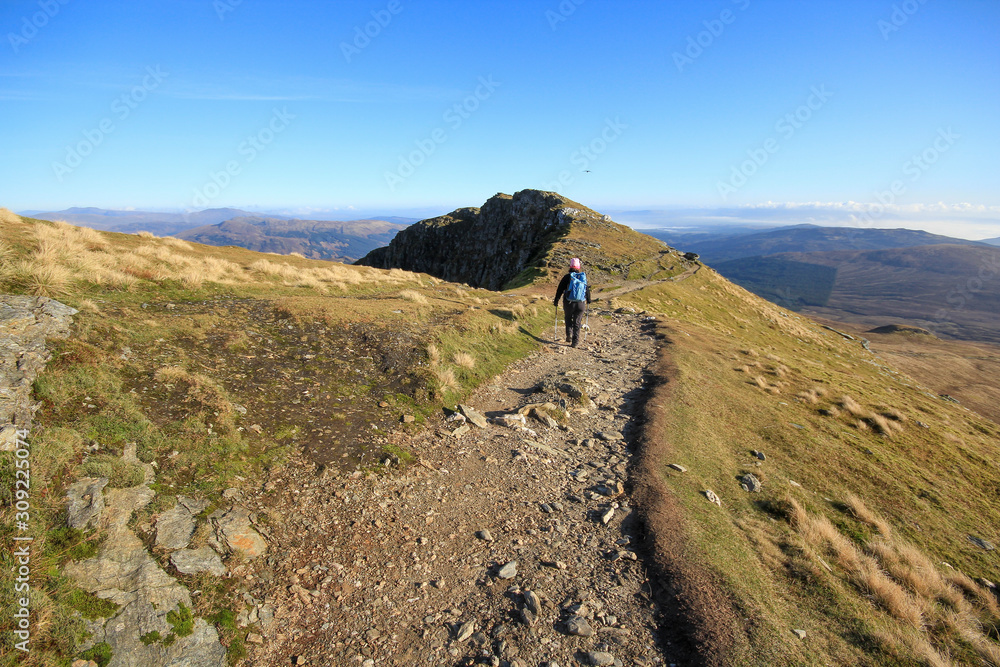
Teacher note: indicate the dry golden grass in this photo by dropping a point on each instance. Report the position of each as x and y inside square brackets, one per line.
[464, 359]
[446, 379]
[8, 216]
[852, 407]
[881, 425]
[297, 254]
[861, 512]
[433, 354]
[412, 295]
[146, 235]
[40, 279]
[760, 382]
[808, 396]
[896, 576]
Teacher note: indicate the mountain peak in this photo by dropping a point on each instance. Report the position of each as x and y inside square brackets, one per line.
[492, 245]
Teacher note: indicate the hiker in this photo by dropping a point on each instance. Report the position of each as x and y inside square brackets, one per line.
[574, 286]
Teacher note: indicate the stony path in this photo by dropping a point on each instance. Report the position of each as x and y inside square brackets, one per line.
[509, 544]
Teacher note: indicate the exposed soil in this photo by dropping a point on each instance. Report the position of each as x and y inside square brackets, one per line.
[398, 569]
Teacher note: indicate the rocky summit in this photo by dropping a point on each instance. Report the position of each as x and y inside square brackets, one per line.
[484, 247]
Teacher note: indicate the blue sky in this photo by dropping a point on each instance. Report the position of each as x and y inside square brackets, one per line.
[845, 109]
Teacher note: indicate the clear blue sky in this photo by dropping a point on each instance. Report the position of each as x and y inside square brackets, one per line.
[668, 122]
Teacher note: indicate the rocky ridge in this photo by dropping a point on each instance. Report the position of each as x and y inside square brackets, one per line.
[512, 539]
[484, 247]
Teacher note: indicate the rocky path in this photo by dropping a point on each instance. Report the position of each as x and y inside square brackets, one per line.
[511, 541]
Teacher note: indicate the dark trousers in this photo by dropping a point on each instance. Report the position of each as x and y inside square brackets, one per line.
[575, 310]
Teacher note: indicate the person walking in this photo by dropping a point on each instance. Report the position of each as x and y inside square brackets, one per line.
[576, 291]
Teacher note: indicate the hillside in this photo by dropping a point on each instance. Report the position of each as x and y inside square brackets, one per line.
[515, 239]
[950, 289]
[812, 238]
[315, 239]
[287, 416]
[131, 222]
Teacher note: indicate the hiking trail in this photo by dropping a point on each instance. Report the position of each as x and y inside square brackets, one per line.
[514, 542]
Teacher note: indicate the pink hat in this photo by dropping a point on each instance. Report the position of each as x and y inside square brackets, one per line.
[574, 264]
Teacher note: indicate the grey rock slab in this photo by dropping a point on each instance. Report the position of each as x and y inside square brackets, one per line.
[712, 498]
[194, 561]
[174, 528]
[508, 571]
[86, 502]
[678, 467]
[473, 415]
[610, 436]
[123, 571]
[532, 602]
[577, 625]
[981, 543]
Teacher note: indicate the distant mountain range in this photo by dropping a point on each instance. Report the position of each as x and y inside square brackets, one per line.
[868, 276]
[343, 241]
[995, 241]
[800, 238]
[317, 239]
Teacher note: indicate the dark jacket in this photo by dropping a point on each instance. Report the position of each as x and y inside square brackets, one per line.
[564, 285]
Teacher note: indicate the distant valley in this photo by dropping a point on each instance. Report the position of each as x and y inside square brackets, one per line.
[313, 239]
[338, 240]
[866, 276]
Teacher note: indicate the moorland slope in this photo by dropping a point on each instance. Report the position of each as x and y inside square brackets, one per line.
[793, 498]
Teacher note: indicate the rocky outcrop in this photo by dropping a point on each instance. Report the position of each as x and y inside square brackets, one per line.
[484, 247]
[25, 324]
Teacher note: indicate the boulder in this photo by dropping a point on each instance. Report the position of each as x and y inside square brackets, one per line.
[85, 502]
[235, 531]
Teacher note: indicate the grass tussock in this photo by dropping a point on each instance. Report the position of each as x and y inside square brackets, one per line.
[464, 359]
[413, 296]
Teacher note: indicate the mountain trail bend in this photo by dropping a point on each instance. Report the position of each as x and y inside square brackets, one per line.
[513, 544]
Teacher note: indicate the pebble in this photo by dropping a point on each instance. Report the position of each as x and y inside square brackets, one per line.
[577, 625]
[600, 658]
[508, 571]
[465, 631]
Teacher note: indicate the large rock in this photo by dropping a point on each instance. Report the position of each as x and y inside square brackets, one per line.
[175, 527]
[194, 561]
[236, 532]
[85, 502]
[489, 246]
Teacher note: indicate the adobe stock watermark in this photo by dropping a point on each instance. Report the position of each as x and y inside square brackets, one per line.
[223, 7]
[584, 156]
[785, 127]
[248, 150]
[363, 35]
[562, 13]
[966, 291]
[698, 43]
[455, 116]
[30, 25]
[121, 108]
[901, 13]
[914, 168]
[21, 495]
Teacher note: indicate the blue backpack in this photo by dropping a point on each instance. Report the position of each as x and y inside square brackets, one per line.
[577, 289]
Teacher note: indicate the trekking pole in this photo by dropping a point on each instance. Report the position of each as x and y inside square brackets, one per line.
[555, 324]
